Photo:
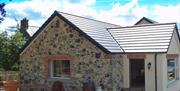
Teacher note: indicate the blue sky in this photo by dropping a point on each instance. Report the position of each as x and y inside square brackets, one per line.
[121, 12]
[107, 4]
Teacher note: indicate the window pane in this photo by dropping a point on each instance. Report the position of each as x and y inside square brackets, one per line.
[66, 67]
[61, 68]
[171, 69]
[66, 63]
[57, 69]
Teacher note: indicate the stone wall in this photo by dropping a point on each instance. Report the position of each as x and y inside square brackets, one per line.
[117, 72]
[59, 38]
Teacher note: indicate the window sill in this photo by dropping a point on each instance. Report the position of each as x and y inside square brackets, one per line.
[60, 78]
[172, 83]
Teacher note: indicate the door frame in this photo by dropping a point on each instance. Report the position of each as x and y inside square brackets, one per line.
[130, 76]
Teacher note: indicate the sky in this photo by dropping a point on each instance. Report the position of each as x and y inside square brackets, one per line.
[120, 12]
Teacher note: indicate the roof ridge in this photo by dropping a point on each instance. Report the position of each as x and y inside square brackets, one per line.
[143, 25]
[153, 21]
[146, 19]
[87, 18]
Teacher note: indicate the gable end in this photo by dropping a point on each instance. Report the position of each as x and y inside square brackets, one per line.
[68, 22]
[145, 19]
[83, 34]
[37, 33]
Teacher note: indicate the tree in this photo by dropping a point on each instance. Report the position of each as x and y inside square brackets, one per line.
[2, 11]
[9, 48]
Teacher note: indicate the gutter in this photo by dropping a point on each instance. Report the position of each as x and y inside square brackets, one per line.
[155, 58]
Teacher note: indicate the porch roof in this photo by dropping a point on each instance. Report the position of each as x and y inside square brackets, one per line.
[144, 38]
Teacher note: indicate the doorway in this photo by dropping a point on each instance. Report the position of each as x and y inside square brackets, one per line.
[137, 73]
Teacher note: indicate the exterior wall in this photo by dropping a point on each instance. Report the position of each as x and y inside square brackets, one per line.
[163, 85]
[161, 72]
[174, 48]
[117, 72]
[149, 73]
[88, 60]
[126, 79]
[162, 75]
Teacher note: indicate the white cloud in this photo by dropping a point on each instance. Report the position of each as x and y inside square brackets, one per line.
[121, 14]
[167, 13]
[131, 12]
[81, 9]
[45, 7]
[8, 24]
[118, 14]
[88, 2]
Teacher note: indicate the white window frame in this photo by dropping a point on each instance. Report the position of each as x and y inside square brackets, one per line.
[176, 68]
[52, 70]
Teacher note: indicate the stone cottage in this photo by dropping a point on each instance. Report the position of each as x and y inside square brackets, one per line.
[76, 50]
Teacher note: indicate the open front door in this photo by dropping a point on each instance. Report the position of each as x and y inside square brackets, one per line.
[137, 74]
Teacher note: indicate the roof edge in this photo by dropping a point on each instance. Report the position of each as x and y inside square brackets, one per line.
[56, 13]
[178, 32]
[147, 19]
[115, 40]
[143, 25]
[37, 32]
[88, 18]
[175, 30]
[83, 33]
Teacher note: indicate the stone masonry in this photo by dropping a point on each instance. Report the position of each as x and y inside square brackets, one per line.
[57, 39]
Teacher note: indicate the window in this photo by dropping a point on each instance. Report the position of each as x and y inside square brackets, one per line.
[172, 69]
[60, 68]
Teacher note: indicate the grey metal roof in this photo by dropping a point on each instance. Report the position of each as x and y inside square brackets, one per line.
[116, 39]
[144, 38]
[97, 30]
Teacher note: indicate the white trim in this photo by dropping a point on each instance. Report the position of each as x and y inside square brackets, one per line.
[51, 72]
[51, 69]
[176, 67]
